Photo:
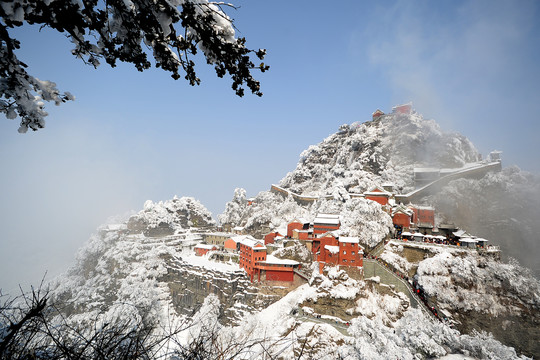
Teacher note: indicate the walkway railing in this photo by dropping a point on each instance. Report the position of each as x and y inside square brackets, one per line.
[302, 274]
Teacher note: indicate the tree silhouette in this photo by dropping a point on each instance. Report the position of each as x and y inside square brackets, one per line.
[173, 31]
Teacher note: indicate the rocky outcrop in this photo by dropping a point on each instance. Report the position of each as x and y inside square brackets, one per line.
[168, 217]
[518, 331]
[190, 285]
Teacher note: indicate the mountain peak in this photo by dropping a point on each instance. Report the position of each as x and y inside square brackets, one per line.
[386, 149]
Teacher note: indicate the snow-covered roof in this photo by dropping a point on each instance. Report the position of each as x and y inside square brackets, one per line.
[349, 239]
[326, 220]
[276, 232]
[226, 234]
[300, 220]
[481, 240]
[403, 209]
[205, 246]
[238, 228]
[252, 243]
[460, 233]
[330, 216]
[238, 238]
[406, 233]
[377, 191]
[333, 249]
[422, 207]
[406, 105]
[334, 233]
[417, 234]
[270, 259]
[468, 240]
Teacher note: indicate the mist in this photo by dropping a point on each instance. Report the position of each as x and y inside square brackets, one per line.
[502, 207]
[468, 65]
[58, 189]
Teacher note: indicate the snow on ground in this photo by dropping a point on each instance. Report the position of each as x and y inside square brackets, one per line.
[476, 283]
[411, 336]
[415, 336]
[465, 280]
[382, 331]
[204, 261]
[456, 357]
[391, 256]
[388, 308]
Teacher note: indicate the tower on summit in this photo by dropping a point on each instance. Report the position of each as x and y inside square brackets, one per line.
[402, 109]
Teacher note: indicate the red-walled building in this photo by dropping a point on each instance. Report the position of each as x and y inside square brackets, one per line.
[402, 109]
[344, 251]
[258, 265]
[203, 249]
[350, 252]
[274, 269]
[250, 252]
[378, 195]
[377, 114]
[423, 216]
[296, 224]
[232, 243]
[302, 234]
[271, 237]
[329, 238]
[324, 223]
[402, 217]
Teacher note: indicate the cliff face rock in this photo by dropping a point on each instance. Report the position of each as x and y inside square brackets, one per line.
[189, 285]
[518, 331]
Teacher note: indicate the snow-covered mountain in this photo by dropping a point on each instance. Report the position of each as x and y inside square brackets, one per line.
[353, 160]
[501, 206]
[361, 156]
[145, 267]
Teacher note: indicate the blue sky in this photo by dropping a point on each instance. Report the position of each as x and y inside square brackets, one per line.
[130, 136]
